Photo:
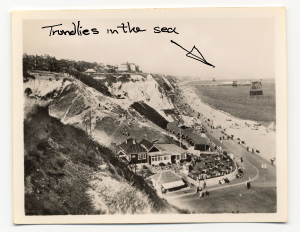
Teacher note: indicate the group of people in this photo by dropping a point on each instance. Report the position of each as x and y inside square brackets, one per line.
[224, 180]
[240, 172]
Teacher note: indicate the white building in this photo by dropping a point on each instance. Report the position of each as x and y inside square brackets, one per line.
[165, 153]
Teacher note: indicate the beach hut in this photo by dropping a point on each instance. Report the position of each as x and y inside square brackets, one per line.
[199, 143]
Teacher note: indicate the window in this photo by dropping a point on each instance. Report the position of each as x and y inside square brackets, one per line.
[155, 158]
[141, 156]
[177, 157]
[165, 157]
[152, 158]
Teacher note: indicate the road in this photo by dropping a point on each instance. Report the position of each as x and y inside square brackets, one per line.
[234, 197]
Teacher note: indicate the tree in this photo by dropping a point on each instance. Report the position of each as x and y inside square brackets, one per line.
[28, 91]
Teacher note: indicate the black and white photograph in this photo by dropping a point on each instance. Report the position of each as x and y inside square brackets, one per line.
[150, 116]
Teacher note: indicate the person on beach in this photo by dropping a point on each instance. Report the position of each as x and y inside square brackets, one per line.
[199, 180]
[207, 193]
[248, 184]
[242, 159]
[200, 193]
[273, 161]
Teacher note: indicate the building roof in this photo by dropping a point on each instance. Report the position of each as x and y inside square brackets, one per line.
[131, 146]
[169, 111]
[173, 126]
[135, 148]
[126, 144]
[90, 70]
[166, 177]
[146, 143]
[188, 132]
[197, 139]
[193, 114]
[171, 148]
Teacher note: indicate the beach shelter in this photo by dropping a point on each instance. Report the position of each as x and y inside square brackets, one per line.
[168, 179]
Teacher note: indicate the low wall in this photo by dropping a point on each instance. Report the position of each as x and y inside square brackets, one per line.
[213, 181]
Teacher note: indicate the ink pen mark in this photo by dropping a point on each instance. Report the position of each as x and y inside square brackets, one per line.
[190, 55]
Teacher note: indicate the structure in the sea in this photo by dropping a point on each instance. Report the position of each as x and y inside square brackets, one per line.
[256, 88]
[234, 83]
[214, 79]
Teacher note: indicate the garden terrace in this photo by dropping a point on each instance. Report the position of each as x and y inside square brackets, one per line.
[211, 165]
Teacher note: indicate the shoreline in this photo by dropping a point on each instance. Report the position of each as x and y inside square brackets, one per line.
[260, 139]
[263, 123]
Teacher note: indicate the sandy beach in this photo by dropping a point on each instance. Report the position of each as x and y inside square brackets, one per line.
[261, 139]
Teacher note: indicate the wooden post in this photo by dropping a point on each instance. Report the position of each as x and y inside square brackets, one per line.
[180, 137]
[90, 123]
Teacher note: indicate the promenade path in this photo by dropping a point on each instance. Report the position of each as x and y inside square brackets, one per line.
[234, 196]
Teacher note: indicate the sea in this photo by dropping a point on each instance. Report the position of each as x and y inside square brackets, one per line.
[237, 102]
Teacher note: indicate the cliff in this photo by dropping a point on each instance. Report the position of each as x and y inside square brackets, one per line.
[133, 107]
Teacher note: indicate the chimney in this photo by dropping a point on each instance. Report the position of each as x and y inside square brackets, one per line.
[133, 141]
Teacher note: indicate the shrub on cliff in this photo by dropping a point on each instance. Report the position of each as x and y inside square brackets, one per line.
[90, 81]
[150, 113]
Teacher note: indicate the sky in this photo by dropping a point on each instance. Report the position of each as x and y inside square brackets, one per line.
[238, 48]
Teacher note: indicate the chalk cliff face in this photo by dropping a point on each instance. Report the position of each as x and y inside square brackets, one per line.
[107, 118]
[139, 88]
[43, 85]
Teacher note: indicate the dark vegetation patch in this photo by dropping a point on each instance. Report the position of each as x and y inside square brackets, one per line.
[27, 77]
[50, 95]
[162, 82]
[150, 113]
[28, 91]
[90, 81]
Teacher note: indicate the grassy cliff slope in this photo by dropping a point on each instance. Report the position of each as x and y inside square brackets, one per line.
[66, 172]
